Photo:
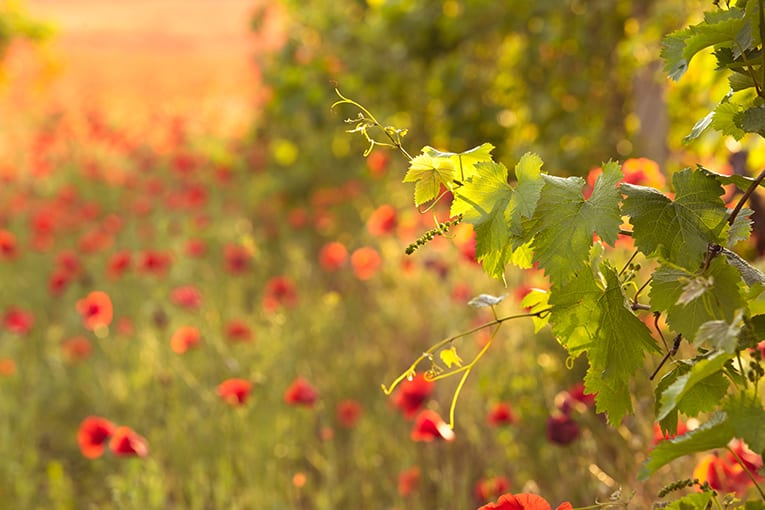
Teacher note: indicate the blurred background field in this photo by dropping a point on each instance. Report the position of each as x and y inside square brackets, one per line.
[181, 157]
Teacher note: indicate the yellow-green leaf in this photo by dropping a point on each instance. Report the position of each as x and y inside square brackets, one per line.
[450, 357]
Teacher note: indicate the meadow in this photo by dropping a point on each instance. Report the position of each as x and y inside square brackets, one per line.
[190, 321]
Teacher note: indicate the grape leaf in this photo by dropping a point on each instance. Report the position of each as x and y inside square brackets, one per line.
[586, 317]
[741, 228]
[742, 182]
[575, 311]
[722, 298]
[720, 29]
[748, 418]
[715, 433]
[721, 334]
[678, 230]
[697, 501]
[487, 201]
[450, 357]
[700, 126]
[699, 372]
[536, 301]
[428, 175]
[724, 120]
[752, 120]
[618, 351]
[465, 163]
[564, 222]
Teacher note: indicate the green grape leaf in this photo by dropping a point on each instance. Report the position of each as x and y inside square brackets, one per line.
[715, 433]
[748, 418]
[682, 386]
[721, 334]
[742, 182]
[487, 201]
[724, 120]
[722, 298]
[464, 163]
[697, 501]
[428, 175]
[678, 230]
[669, 422]
[536, 301]
[700, 126]
[564, 222]
[575, 311]
[527, 191]
[740, 81]
[586, 317]
[720, 29]
[741, 228]
[751, 120]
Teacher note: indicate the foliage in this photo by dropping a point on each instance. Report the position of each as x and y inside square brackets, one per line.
[15, 24]
[709, 298]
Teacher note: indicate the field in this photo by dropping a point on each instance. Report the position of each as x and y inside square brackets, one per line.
[182, 329]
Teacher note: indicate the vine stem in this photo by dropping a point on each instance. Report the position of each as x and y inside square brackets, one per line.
[746, 470]
[745, 197]
[368, 115]
[434, 348]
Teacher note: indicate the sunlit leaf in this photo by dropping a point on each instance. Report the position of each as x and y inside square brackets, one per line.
[701, 370]
[429, 174]
[450, 357]
[536, 301]
[678, 230]
[564, 222]
[715, 433]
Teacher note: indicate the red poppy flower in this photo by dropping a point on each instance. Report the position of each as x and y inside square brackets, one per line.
[18, 321]
[523, 502]
[501, 414]
[333, 256]
[725, 474]
[187, 296]
[382, 221]
[77, 348]
[300, 392]
[184, 338]
[96, 310]
[659, 435]
[348, 413]
[429, 426]
[154, 262]
[58, 282]
[490, 488]
[126, 443]
[195, 248]
[562, 429]
[578, 393]
[279, 291]
[237, 258]
[93, 434]
[411, 394]
[377, 162]
[8, 248]
[365, 261]
[235, 391]
[408, 481]
[118, 263]
[238, 331]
